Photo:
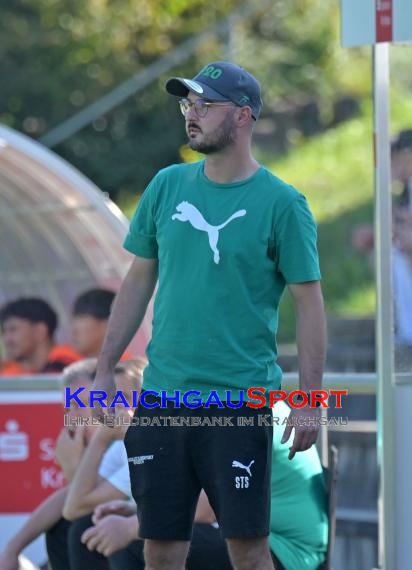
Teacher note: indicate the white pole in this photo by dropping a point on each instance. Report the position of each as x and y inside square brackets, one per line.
[386, 440]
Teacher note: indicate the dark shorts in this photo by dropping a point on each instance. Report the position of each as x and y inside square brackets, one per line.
[170, 464]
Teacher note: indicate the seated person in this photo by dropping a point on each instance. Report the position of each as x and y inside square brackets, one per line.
[77, 375]
[116, 526]
[298, 520]
[298, 529]
[91, 312]
[72, 445]
[28, 326]
[99, 477]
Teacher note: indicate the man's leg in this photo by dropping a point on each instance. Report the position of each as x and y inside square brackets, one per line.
[164, 486]
[79, 555]
[165, 554]
[250, 553]
[208, 550]
[57, 545]
[130, 558]
[233, 463]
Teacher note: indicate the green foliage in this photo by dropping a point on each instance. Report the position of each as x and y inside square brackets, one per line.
[335, 172]
[58, 56]
[61, 55]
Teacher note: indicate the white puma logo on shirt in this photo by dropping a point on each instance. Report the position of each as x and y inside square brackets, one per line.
[245, 467]
[189, 213]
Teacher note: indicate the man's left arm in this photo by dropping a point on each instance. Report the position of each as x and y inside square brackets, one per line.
[311, 343]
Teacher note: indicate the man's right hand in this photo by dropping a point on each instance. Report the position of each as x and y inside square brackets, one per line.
[70, 450]
[104, 382]
[111, 534]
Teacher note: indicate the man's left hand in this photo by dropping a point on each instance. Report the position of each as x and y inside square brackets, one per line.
[306, 433]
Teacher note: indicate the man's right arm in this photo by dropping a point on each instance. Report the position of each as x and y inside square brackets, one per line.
[41, 520]
[126, 316]
[88, 489]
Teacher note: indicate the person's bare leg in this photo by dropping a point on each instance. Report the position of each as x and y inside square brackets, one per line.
[165, 554]
[250, 553]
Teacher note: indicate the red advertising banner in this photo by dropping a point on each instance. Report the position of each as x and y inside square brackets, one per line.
[28, 471]
[384, 20]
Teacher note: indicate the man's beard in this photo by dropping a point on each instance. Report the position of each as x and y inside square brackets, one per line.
[223, 137]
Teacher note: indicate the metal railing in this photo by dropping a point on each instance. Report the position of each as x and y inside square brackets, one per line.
[355, 383]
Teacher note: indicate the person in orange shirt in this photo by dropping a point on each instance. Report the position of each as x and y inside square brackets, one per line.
[28, 325]
[90, 315]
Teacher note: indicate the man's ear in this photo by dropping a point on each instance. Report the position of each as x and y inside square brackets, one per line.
[244, 116]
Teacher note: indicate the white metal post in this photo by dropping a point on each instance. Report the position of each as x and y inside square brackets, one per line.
[386, 440]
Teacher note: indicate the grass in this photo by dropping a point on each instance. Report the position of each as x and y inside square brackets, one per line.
[335, 172]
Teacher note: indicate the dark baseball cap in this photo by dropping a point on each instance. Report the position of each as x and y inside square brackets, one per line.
[221, 81]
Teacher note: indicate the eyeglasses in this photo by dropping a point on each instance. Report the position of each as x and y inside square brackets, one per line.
[201, 106]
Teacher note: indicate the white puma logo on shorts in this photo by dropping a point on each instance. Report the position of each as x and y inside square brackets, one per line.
[189, 213]
[245, 467]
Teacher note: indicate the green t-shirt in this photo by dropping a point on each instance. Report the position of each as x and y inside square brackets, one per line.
[225, 253]
[298, 517]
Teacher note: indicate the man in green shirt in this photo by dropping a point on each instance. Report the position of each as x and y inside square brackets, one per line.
[223, 237]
